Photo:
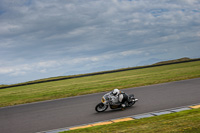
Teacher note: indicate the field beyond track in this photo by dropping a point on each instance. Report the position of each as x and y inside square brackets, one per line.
[98, 83]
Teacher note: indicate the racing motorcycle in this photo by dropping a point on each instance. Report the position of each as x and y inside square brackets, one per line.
[109, 100]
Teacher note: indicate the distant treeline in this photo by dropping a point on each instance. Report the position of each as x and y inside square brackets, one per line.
[182, 60]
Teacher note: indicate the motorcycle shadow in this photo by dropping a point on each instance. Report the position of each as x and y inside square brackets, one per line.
[115, 110]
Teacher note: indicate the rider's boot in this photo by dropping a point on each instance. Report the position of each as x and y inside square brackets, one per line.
[123, 106]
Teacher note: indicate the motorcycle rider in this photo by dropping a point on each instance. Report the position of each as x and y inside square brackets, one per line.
[121, 96]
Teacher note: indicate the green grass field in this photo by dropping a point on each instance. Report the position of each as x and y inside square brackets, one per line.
[181, 122]
[98, 83]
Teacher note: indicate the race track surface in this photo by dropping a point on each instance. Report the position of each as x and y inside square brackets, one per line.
[79, 110]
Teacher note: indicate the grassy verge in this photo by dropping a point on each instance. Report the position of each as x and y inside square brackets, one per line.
[50, 79]
[182, 122]
[98, 83]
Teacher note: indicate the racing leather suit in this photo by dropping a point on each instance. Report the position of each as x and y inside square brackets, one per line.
[120, 98]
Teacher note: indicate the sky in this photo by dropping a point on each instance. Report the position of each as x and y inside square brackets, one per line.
[49, 38]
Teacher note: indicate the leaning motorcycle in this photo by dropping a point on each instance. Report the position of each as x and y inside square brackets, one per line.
[108, 100]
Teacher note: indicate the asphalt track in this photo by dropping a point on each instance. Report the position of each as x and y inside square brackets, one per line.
[42, 116]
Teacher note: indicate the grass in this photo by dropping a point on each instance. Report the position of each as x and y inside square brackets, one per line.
[181, 122]
[181, 60]
[98, 83]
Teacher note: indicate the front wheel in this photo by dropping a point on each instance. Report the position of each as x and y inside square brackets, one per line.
[101, 107]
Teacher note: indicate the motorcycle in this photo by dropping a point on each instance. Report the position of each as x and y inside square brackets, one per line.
[109, 100]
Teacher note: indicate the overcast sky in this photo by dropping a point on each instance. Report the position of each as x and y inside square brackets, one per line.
[48, 38]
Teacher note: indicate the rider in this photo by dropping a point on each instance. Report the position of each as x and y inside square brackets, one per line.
[122, 97]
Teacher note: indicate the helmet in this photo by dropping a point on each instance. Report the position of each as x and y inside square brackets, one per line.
[115, 92]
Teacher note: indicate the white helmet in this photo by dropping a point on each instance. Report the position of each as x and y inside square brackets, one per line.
[115, 92]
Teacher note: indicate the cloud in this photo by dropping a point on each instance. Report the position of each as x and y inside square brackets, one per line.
[23, 69]
[131, 52]
[43, 36]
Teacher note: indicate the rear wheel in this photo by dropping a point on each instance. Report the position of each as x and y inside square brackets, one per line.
[131, 100]
[131, 104]
[101, 107]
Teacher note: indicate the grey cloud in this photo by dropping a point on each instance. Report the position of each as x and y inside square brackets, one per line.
[95, 32]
